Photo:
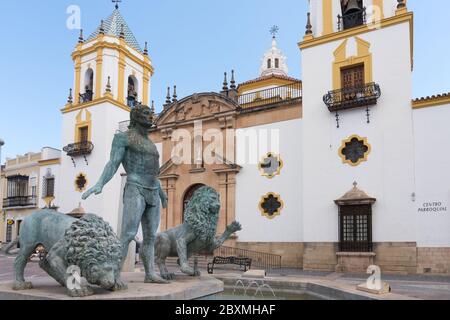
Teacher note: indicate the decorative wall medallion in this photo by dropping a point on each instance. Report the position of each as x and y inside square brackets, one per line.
[354, 150]
[81, 182]
[271, 205]
[271, 165]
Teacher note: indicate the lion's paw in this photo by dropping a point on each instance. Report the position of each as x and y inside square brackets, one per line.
[234, 227]
[119, 286]
[188, 270]
[154, 278]
[80, 293]
[22, 286]
[168, 276]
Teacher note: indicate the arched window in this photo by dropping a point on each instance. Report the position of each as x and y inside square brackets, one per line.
[132, 90]
[353, 14]
[277, 63]
[88, 87]
[269, 64]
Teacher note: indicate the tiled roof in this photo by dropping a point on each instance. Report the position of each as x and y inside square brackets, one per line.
[113, 25]
[271, 76]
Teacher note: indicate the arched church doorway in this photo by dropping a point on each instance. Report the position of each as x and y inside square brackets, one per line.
[188, 195]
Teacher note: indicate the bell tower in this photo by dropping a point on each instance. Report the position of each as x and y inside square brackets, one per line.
[357, 117]
[112, 75]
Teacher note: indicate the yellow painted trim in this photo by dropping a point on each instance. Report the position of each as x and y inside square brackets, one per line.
[277, 173]
[122, 47]
[77, 79]
[262, 84]
[341, 61]
[83, 124]
[49, 162]
[366, 155]
[387, 22]
[85, 186]
[327, 16]
[48, 201]
[145, 82]
[380, 5]
[278, 212]
[99, 73]
[121, 79]
[431, 102]
[93, 103]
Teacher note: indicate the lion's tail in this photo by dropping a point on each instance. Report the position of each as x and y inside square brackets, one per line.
[9, 247]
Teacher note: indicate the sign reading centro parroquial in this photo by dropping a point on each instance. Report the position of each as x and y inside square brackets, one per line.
[433, 220]
[433, 207]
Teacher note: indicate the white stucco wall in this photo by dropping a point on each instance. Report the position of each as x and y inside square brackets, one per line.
[251, 186]
[105, 119]
[389, 173]
[432, 154]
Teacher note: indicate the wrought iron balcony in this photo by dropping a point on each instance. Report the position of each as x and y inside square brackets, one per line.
[79, 149]
[271, 96]
[21, 201]
[86, 97]
[349, 98]
[351, 20]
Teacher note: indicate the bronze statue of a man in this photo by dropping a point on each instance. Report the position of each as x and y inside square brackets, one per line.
[143, 192]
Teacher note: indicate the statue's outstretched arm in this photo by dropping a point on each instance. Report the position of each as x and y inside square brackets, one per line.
[117, 153]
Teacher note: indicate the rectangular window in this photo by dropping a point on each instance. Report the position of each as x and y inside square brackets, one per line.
[49, 187]
[17, 186]
[84, 134]
[355, 228]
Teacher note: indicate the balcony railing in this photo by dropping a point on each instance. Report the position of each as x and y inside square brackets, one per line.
[271, 96]
[22, 201]
[351, 20]
[79, 149]
[349, 98]
[86, 97]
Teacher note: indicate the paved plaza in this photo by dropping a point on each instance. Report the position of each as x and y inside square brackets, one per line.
[414, 286]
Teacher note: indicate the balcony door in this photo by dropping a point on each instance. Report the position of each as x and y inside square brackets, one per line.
[353, 77]
[84, 134]
[352, 82]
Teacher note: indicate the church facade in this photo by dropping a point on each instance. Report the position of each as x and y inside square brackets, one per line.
[332, 172]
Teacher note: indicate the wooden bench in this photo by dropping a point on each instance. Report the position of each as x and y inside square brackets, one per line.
[244, 263]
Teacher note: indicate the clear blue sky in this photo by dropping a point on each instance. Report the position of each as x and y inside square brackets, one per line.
[191, 44]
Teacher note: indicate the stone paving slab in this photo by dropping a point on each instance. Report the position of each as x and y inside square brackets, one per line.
[182, 288]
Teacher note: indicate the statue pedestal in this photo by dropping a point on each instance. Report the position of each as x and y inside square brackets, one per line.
[182, 288]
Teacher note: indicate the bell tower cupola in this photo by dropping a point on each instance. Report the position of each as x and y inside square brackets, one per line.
[274, 61]
[111, 57]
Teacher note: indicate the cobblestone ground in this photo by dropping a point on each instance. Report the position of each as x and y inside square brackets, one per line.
[422, 287]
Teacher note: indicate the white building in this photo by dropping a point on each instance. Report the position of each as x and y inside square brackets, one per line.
[330, 173]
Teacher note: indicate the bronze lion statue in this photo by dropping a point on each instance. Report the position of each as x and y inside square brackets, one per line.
[88, 245]
[195, 235]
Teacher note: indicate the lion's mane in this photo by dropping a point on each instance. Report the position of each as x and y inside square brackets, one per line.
[198, 214]
[91, 241]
